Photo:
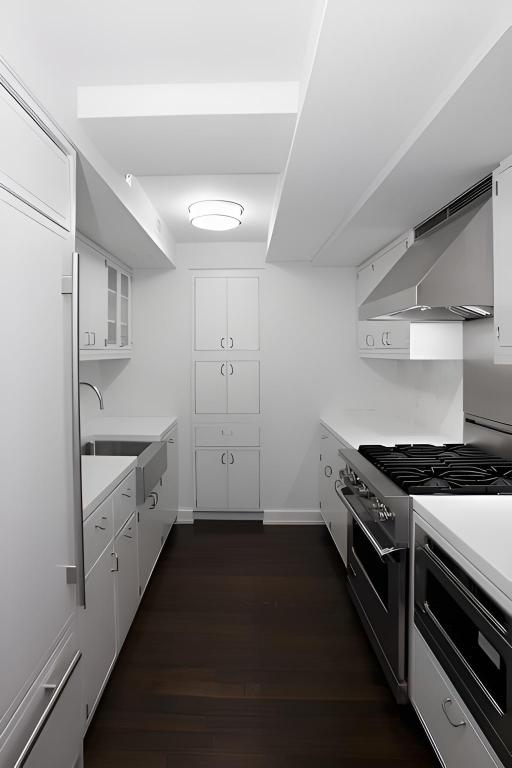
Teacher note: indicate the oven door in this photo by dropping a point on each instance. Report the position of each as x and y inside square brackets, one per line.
[471, 637]
[377, 583]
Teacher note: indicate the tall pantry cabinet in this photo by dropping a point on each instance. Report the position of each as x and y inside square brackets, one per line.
[226, 396]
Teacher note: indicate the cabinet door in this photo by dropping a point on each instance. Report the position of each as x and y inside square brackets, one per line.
[150, 537]
[502, 237]
[125, 292]
[93, 299]
[243, 313]
[211, 479]
[169, 497]
[326, 475]
[98, 627]
[338, 517]
[112, 305]
[211, 386]
[243, 378]
[210, 300]
[127, 580]
[243, 479]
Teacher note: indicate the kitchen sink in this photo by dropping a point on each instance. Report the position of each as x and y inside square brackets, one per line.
[114, 448]
[151, 460]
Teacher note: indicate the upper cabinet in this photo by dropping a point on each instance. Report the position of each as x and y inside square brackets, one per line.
[502, 246]
[226, 313]
[105, 305]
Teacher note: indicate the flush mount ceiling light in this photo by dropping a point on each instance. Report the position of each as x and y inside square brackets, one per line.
[216, 215]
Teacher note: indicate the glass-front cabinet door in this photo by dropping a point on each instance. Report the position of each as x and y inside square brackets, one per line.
[124, 315]
[112, 322]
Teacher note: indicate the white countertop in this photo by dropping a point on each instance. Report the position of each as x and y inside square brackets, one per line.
[128, 428]
[100, 475]
[479, 527]
[371, 427]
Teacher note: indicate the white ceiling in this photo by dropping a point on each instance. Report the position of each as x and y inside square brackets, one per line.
[376, 77]
[173, 194]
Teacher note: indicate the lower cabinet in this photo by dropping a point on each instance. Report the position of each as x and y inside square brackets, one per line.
[334, 511]
[152, 528]
[98, 628]
[448, 724]
[228, 479]
[127, 578]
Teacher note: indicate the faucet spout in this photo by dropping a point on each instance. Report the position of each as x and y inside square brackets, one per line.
[95, 390]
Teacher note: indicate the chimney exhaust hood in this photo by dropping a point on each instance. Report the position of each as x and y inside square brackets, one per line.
[447, 274]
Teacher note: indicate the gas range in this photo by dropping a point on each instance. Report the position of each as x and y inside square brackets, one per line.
[451, 468]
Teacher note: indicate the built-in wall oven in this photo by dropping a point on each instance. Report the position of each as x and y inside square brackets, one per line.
[470, 634]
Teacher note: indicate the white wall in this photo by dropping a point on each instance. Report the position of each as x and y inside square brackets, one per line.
[310, 365]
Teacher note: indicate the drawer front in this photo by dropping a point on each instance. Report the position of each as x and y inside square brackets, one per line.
[32, 166]
[231, 435]
[124, 501]
[98, 533]
[442, 713]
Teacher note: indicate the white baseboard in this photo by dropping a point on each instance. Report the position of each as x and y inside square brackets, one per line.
[185, 515]
[292, 517]
[217, 515]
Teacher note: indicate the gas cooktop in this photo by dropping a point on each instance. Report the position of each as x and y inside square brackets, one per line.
[451, 468]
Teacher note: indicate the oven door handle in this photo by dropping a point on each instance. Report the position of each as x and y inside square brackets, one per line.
[381, 551]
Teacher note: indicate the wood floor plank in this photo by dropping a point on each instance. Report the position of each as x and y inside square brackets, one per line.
[247, 652]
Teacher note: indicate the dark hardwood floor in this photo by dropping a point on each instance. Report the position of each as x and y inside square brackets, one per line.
[246, 653]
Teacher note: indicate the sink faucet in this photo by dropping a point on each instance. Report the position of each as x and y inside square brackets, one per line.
[96, 390]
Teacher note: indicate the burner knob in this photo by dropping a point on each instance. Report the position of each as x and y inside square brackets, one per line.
[363, 490]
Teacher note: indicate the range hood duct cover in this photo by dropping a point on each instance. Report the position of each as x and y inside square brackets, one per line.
[445, 275]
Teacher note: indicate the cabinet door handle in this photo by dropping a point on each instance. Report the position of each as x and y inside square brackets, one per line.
[222, 367]
[231, 344]
[232, 369]
[93, 334]
[127, 536]
[115, 570]
[100, 527]
[498, 332]
[370, 341]
[128, 495]
[445, 704]
[388, 342]
[223, 458]
[383, 337]
[232, 459]
[327, 470]
[154, 499]
[223, 339]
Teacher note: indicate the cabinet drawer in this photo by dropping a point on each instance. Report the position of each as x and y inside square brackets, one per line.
[231, 435]
[98, 533]
[32, 166]
[124, 501]
[441, 710]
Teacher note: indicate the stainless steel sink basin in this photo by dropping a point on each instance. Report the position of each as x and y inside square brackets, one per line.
[151, 460]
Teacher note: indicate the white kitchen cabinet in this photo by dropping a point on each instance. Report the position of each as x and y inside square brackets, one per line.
[105, 304]
[332, 508]
[370, 274]
[440, 710]
[98, 628]
[227, 386]
[502, 244]
[127, 578]
[228, 479]
[405, 340]
[226, 313]
[153, 527]
[169, 489]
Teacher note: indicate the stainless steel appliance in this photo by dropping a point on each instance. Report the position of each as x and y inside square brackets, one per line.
[470, 634]
[378, 482]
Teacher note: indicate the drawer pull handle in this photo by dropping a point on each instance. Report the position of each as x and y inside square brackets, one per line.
[445, 704]
[327, 470]
[128, 495]
[100, 527]
[56, 692]
[127, 536]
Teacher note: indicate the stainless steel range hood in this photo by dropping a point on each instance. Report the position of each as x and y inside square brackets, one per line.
[446, 274]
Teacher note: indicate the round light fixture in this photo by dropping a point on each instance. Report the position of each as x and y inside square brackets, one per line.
[216, 215]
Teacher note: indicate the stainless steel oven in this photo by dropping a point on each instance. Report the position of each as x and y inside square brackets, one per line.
[470, 634]
[378, 544]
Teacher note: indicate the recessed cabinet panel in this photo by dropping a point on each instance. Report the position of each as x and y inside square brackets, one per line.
[243, 386]
[31, 164]
[243, 479]
[211, 479]
[211, 387]
[232, 434]
[243, 313]
[210, 313]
